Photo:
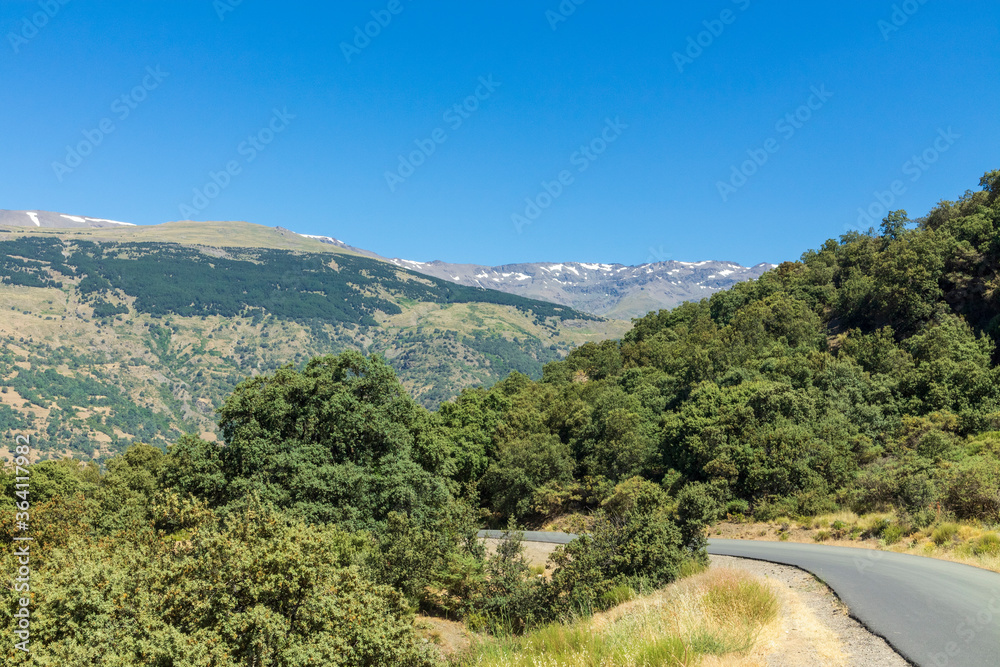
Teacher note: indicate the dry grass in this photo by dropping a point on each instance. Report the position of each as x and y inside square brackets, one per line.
[719, 613]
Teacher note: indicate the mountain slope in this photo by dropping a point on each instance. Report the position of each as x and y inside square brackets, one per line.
[116, 334]
[610, 290]
[48, 219]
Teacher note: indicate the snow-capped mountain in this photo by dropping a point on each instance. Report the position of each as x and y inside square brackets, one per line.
[54, 220]
[610, 290]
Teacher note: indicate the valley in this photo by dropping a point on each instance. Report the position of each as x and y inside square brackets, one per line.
[117, 334]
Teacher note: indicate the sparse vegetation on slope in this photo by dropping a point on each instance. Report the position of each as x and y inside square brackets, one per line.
[158, 333]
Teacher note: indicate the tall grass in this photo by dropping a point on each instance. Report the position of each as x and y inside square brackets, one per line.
[718, 612]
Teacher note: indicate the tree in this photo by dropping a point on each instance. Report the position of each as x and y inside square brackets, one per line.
[894, 224]
[335, 442]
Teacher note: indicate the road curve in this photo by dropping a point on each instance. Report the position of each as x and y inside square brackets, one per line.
[933, 612]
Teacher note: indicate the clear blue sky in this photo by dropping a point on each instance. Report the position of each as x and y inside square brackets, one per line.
[653, 193]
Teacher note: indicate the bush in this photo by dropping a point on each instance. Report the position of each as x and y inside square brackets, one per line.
[434, 566]
[974, 490]
[987, 545]
[944, 533]
[510, 599]
[637, 550]
[893, 534]
[737, 509]
[264, 590]
[697, 509]
[878, 527]
[635, 495]
[773, 508]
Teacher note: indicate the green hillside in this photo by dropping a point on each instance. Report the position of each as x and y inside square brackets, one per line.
[862, 377]
[110, 337]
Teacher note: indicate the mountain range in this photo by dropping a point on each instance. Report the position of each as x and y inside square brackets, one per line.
[114, 333]
[614, 291]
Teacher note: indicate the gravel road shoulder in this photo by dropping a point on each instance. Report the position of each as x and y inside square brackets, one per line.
[814, 627]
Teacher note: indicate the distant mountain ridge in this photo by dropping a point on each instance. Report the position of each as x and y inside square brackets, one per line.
[609, 290]
[614, 291]
[48, 219]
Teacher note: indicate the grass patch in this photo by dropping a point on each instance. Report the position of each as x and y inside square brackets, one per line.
[715, 613]
[945, 533]
[987, 545]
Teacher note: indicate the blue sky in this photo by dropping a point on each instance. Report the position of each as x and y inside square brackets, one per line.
[285, 115]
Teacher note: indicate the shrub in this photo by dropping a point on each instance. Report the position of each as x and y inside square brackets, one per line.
[637, 550]
[987, 545]
[946, 532]
[974, 490]
[263, 590]
[737, 509]
[433, 567]
[877, 528]
[635, 495]
[893, 534]
[696, 510]
[510, 599]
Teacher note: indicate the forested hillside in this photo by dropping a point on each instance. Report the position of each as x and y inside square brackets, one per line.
[863, 376]
[108, 339]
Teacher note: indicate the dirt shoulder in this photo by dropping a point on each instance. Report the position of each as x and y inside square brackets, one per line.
[814, 627]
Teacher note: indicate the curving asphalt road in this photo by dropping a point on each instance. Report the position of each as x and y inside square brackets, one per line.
[934, 613]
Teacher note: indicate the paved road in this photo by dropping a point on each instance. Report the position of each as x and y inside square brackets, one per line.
[533, 536]
[933, 612]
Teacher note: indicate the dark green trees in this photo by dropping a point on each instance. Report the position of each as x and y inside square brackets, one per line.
[339, 442]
